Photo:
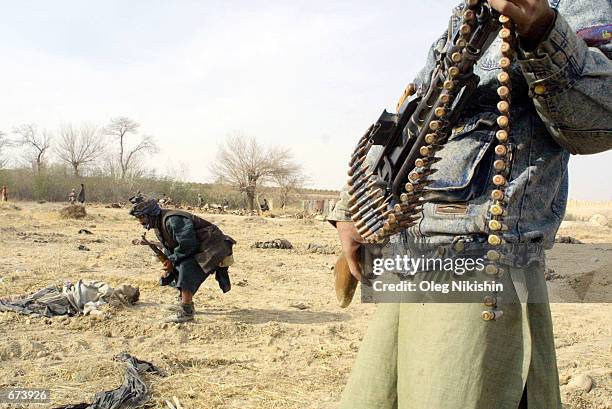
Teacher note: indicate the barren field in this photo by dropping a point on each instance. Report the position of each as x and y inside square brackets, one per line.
[277, 340]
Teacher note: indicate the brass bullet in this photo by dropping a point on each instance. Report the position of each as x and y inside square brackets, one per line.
[504, 19]
[491, 315]
[503, 107]
[408, 197]
[426, 150]
[487, 315]
[423, 162]
[499, 180]
[494, 240]
[430, 138]
[356, 188]
[414, 176]
[490, 301]
[503, 77]
[471, 3]
[501, 150]
[460, 43]
[356, 175]
[503, 121]
[504, 33]
[355, 166]
[497, 194]
[356, 193]
[505, 62]
[435, 125]
[446, 98]
[448, 85]
[496, 210]
[501, 135]
[539, 89]
[456, 57]
[493, 255]
[440, 112]
[402, 208]
[503, 91]
[495, 225]
[358, 154]
[453, 72]
[499, 165]
[505, 47]
[465, 29]
[468, 15]
[358, 212]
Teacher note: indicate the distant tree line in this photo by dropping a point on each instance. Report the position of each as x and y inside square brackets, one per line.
[40, 164]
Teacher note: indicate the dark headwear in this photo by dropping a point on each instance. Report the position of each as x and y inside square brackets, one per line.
[148, 207]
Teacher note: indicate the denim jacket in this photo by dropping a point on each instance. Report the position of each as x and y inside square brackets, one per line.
[561, 105]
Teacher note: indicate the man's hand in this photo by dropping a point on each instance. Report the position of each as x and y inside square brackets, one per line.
[351, 241]
[532, 17]
[168, 267]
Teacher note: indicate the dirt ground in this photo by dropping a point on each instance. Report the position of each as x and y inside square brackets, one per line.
[277, 340]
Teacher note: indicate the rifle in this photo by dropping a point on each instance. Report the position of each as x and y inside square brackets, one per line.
[158, 252]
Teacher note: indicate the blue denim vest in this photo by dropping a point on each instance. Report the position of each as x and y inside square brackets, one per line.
[572, 115]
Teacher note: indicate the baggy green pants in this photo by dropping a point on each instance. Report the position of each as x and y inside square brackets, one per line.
[444, 356]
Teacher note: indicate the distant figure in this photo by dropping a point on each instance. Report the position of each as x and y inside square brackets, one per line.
[82, 194]
[163, 200]
[264, 205]
[225, 205]
[4, 194]
[72, 197]
[200, 201]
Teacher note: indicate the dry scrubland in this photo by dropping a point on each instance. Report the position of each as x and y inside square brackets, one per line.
[277, 340]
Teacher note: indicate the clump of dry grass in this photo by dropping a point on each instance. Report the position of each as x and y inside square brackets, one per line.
[73, 212]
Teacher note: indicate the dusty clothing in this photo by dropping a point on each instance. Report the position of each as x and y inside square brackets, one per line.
[4, 194]
[443, 355]
[195, 246]
[81, 196]
[81, 297]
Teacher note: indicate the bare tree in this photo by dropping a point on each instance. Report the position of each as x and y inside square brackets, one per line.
[244, 163]
[4, 143]
[292, 178]
[129, 153]
[36, 141]
[79, 146]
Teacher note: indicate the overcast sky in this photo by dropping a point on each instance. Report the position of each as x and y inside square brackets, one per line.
[310, 75]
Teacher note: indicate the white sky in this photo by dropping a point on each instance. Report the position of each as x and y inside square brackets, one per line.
[310, 75]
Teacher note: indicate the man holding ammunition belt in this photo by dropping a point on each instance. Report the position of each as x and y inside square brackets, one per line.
[195, 248]
[450, 355]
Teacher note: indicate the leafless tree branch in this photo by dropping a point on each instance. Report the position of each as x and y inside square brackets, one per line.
[129, 154]
[79, 146]
[38, 142]
[245, 164]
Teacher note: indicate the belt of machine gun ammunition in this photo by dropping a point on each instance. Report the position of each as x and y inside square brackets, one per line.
[376, 212]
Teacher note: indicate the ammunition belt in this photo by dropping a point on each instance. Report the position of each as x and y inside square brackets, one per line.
[386, 195]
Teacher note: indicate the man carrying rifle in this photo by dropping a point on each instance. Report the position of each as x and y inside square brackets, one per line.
[460, 355]
[195, 248]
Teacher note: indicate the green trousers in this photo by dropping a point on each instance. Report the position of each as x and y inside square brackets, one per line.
[444, 356]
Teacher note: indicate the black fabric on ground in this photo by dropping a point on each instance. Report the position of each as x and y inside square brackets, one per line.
[134, 393]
